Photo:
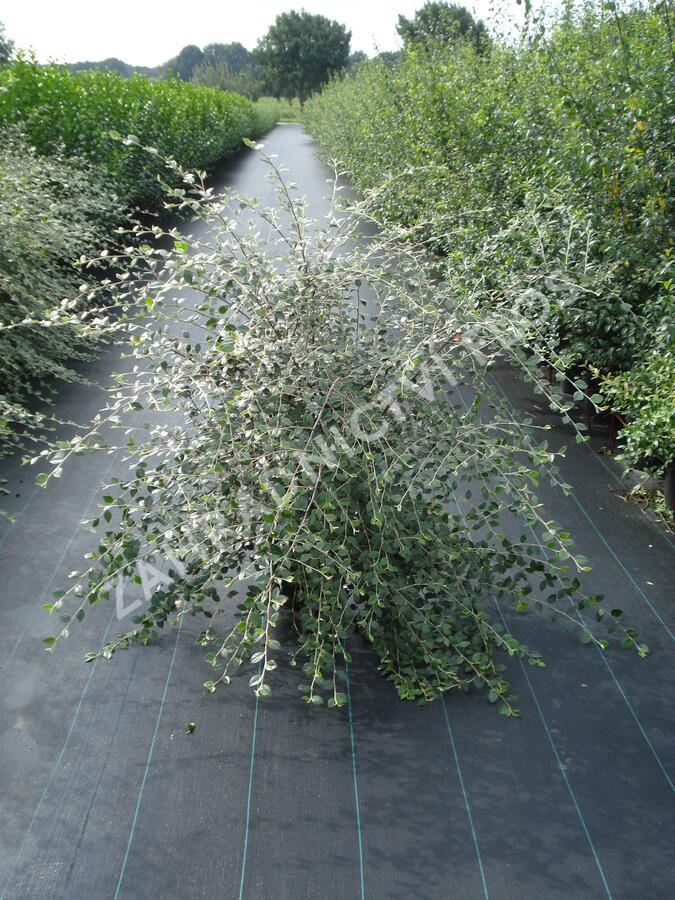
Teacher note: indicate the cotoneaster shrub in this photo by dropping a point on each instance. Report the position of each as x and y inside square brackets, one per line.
[297, 450]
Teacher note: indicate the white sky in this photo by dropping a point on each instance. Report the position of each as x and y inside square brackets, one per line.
[148, 32]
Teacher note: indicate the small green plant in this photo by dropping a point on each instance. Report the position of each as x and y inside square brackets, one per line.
[646, 396]
[304, 457]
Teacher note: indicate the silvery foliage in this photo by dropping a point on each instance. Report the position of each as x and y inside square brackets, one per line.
[299, 454]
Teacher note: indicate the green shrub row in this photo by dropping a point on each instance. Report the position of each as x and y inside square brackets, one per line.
[539, 170]
[52, 211]
[65, 181]
[75, 113]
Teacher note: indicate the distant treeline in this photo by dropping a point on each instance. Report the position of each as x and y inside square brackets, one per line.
[115, 65]
[230, 67]
[186, 65]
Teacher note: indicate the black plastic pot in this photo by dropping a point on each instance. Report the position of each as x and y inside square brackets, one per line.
[669, 486]
[290, 590]
[571, 375]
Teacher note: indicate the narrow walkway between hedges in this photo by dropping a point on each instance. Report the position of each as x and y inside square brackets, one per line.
[104, 795]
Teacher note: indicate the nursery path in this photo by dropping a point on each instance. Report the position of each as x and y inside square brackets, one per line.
[103, 795]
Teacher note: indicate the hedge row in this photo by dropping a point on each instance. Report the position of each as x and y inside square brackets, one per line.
[74, 114]
[52, 211]
[541, 171]
[65, 182]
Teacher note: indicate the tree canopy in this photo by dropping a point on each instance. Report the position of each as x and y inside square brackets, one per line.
[356, 58]
[230, 67]
[301, 52]
[6, 46]
[113, 64]
[234, 55]
[184, 64]
[437, 21]
[246, 81]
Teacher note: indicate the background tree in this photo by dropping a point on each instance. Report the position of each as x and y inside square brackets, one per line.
[356, 58]
[246, 81]
[442, 22]
[6, 46]
[230, 67]
[234, 55]
[185, 63]
[389, 56]
[116, 65]
[300, 53]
